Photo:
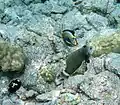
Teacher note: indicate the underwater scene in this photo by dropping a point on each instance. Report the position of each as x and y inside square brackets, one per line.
[59, 52]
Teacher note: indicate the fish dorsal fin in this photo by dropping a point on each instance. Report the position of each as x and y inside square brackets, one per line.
[73, 33]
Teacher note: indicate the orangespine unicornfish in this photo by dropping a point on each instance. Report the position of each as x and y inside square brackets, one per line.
[74, 61]
[76, 58]
[14, 85]
[69, 38]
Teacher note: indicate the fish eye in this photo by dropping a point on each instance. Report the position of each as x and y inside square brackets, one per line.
[84, 46]
[90, 48]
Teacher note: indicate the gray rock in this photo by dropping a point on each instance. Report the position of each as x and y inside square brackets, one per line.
[97, 21]
[112, 62]
[76, 16]
[1, 101]
[27, 2]
[95, 66]
[7, 102]
[44, 27]
[2, 7]
[56, 16]
[15, 99]
[5, 19]
[101, 6]
[103, 87]
[21, 93]
[44, 97]
[9, 3]
[30, 103]
[116, 15]
[3, 85]
[30, 94]
[73, 81]
[46, 103]
[67, 3]
[58, 9]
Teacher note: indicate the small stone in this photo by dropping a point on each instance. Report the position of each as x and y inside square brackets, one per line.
[2, 7]
[58, 9]
[44, 97]
[7, 102]
[31, 93]
[30, 103]
[27, 2]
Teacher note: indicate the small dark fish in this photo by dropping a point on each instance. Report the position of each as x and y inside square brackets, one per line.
[69, 38]
[14, 85]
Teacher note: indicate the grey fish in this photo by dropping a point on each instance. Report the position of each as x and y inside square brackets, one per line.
[76, 58]
[74, 61]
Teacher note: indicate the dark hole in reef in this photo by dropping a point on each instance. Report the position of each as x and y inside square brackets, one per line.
[118, 1]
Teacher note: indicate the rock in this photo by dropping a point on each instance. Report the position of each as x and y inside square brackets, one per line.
[42, 28]
[116, 15]
[2, 6]
[41, 8]
[76, 16]
[30, 103]
[103, 87]
[27, 2]
[9, 3]
[15, 99]
[101, 7]
[95, 66]
[12, 61]
[21, 93]
[67, 3]
[7, 102]
[44, 97]
[56, 16]
[30, 94]
[4, 81]
[105, 44]
[5, 19]
[73, 81]
[112, 63]
[46, 103]
[58, 9]
[97, 21]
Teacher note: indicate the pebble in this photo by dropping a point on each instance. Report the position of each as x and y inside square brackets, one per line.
[30, 94]
[7, 102]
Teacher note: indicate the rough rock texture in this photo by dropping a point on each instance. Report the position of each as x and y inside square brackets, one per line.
[112, 63]
[106, 44]
[12, 57]
[36, 25]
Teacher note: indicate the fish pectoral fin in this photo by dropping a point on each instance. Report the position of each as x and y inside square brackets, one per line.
[68, 42]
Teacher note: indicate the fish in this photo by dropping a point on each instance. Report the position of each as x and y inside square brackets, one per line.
[14, 85]
[69, 38]
[75, 59]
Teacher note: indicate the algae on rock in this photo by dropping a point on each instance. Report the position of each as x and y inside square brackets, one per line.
[12, 57]
[106, 44]
[47, 74]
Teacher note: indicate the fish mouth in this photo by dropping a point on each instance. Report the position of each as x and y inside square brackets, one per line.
[74, 42]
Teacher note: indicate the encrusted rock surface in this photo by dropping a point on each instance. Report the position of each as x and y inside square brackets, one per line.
[36, 26]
